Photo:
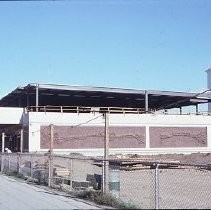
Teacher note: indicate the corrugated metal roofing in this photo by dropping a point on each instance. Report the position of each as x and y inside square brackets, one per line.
[68, 95]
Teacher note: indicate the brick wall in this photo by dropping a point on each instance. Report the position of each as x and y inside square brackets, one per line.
[67, 137]
[85, 137]
[178, 137]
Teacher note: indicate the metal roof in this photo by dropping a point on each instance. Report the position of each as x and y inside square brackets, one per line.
[68, 95]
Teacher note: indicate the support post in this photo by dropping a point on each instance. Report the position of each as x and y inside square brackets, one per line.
[146, 102]
[8, 162]
[71, 174]
[180, 110]
[37, 97]
[27, 99]
[21, 141]
[106, 155]
[52, 138]
[50, 175]
[3, 142]
[19, 163]
[197, 109]
[2, 152]
[19, 101]
[31, 166]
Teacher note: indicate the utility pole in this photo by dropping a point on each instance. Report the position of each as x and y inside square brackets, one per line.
[50, 171]
[106, 155]
[52, 138]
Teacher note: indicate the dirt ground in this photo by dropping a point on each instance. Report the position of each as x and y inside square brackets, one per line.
[176, 188]
[186, 187]
[195, 158]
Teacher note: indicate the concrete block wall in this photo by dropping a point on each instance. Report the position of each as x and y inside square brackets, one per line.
[10, 115]
[144, 133]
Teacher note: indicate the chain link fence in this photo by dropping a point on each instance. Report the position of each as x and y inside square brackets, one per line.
[147, 185]
[186, 187]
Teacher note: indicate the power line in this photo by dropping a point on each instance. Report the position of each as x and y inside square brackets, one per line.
[87, 121]
[72, 126]
[183, 100]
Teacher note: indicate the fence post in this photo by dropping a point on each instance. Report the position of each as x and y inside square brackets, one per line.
[2, 152]
[71, 173]
[2, 162]
[31, 166]
[18, 163]
[21, 141]
[157, 185]
[8, 162]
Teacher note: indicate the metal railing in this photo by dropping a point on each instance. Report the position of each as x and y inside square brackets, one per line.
[112, 110]
[81, 109]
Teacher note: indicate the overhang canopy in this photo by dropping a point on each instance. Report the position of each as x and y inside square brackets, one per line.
[66, 95]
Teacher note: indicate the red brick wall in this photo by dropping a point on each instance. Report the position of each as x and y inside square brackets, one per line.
[67, 137]
[178, 137]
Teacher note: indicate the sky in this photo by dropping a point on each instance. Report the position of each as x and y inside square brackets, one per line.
[138, 44]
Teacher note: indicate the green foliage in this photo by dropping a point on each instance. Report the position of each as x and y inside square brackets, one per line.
[105, 199]
[15, 174]
[41, 177]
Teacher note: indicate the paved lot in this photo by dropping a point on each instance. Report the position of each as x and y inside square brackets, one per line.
[20, 195]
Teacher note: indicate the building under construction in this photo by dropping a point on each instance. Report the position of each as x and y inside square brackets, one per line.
[138, 121]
